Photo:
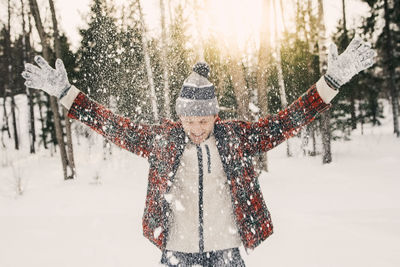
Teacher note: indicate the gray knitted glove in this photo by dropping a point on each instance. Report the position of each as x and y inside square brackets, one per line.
[52, 81]
[358, 56]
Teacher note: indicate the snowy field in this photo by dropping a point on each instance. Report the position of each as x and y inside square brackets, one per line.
[344, 214]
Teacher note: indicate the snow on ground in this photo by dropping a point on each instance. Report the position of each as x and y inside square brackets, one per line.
[343, 214]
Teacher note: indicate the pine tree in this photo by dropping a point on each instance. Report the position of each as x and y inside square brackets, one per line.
[323, 60]
[134, 98]
[388, 49]
[179, 56]
[98, 61]
[343, 112]
[300, 65]
[220, 79]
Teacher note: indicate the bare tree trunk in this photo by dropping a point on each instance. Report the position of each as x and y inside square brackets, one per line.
[323, 63]
[305, 137]
[53, 101]
[302, 13]
[2, 139]
[6, 126]
[70, 153]
[199, 27]
[390, 70]
[283, 16]
[239, 84]
[164, 61]
[362, 121]
[281, 82]
[149, 71]
[298, 12]
[314, 140]
[34, 93]
[29, 92]
[311, 40]
[39, 98]
[262, 74]
[263, 60]
[170, 13]
[10, 77]
[353, 118]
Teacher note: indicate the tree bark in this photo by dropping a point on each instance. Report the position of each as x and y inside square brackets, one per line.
[29, 91]
[239, 85]
[53, 101]
[10, 77]
[312, 39]
[283, 16]
[6, 126]
[310, 34]
[149, 71]
[281, 81]
[323, 63]
[165, 61]
[263, 60]
[70, 152]
[35, 93]
[353, 117]
[39, 99]
[262, 73]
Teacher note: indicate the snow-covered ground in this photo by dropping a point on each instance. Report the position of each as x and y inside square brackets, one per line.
[343, 214]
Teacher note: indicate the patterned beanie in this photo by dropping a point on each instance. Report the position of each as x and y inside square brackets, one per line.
[197, 97]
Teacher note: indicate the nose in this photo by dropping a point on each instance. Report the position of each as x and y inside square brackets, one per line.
[196, 128]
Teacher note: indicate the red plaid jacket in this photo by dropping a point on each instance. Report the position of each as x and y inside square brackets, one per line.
[237, 142]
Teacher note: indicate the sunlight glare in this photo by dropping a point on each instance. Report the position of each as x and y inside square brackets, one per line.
[238, 22]
[234, 21]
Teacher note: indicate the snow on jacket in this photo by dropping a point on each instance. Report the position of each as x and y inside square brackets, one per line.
[237, 142]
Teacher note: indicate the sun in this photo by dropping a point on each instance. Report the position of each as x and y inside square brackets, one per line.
[239, 22]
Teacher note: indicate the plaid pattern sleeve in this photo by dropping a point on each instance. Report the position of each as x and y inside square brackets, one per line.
[134, 137]
[270, 131]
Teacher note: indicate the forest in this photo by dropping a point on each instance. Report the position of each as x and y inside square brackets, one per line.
[119, 64]
[68, 197]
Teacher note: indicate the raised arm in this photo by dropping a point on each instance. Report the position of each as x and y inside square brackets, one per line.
[126, 134]
[272, 130]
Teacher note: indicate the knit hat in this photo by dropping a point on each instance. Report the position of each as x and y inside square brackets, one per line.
[197, 97]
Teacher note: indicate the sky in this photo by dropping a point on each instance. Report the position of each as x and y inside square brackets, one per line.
[72, 14]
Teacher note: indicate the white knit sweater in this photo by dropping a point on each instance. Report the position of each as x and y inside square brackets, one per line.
[219, 227]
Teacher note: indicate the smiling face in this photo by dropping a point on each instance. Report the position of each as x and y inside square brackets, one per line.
[198, 128]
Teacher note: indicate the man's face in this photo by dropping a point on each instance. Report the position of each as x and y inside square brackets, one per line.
[198, 127]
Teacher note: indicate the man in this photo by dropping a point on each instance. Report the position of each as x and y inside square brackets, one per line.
[203, 199]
